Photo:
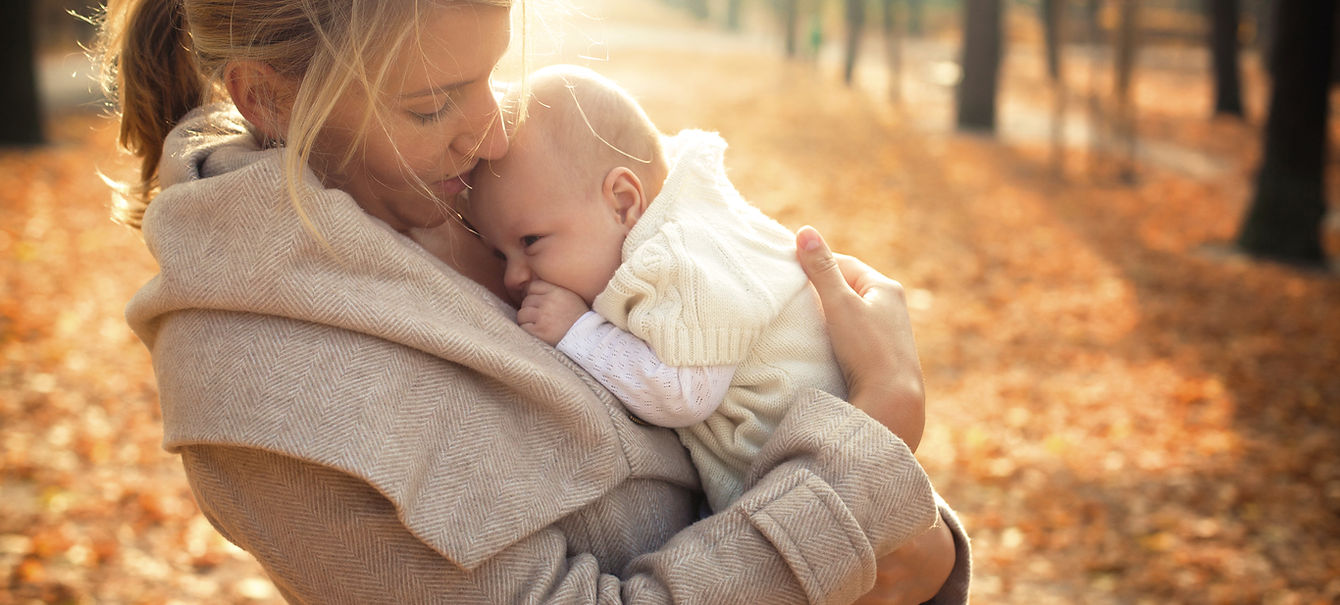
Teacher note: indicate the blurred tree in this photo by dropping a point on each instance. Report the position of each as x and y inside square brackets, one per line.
[1093, 10]
[855, 11]
[733, 14]
[698, 8]
[1335, 50]
[789, 10]
[892, 49]
[1223, 16]
[20, 105]
[915, 14]
[1050, 11]
[1127, 44]
[59, 28]
[1285, 217]
[981, 65]
[1264, 14]
[1094, 35]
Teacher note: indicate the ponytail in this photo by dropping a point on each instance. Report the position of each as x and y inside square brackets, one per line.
[149, 71]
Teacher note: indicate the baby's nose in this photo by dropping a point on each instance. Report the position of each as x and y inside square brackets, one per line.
[516, 278]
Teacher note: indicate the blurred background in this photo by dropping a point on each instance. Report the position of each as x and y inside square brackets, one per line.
[1115, 220]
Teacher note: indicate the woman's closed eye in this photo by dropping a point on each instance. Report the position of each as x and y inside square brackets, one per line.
[434, 115]
[529, 240]
[445, 100]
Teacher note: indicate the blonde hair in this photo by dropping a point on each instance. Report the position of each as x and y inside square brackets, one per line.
[596, 123]
[162, 58]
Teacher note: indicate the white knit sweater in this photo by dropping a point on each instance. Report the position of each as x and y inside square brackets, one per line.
[709, 280]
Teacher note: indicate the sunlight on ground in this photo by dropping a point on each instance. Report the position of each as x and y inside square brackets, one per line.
[1119, 416]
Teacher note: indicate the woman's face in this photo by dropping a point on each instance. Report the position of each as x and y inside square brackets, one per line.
[439, 118]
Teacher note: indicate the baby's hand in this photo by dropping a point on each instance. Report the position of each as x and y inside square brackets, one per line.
[549, 311]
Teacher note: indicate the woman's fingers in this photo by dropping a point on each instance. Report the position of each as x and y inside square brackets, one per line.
[837, 276]
[821, 267]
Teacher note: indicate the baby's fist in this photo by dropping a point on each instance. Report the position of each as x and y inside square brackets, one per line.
[548, 311]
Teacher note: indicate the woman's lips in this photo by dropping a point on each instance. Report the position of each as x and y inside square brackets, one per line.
[449, 188]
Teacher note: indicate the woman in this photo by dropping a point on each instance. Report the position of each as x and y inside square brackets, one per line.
[371, 424]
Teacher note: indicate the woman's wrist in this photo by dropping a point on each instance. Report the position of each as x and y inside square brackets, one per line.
[900, 405]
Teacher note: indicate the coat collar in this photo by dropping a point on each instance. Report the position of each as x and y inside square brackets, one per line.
[231, 248]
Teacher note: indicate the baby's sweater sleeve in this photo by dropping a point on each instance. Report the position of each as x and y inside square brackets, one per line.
[658, 393]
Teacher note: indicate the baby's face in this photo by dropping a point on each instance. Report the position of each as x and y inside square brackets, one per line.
[546, 226]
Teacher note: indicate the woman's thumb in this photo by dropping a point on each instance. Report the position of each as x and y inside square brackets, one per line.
[818, 262]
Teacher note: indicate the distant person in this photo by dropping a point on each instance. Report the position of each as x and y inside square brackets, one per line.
[638, 259]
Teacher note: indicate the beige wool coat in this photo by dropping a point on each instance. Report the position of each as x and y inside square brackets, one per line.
[373, 427]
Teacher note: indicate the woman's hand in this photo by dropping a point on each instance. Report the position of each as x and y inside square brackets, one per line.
[916, 571]
[867, 320]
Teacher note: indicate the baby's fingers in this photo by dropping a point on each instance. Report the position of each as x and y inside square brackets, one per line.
[539, 288]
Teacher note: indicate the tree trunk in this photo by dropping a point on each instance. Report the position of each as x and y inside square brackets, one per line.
[1124, 71]
[790, 21]
[20, 106]
[1265, 29]
[1224, 51]
[1050, 12]
[1285, 217]
[855, 27]
[733, 15]
[981, 65]
[893, 50]
[698, 8]
[914, 16]
[1092, 10]
[1335, 50]
[1097, 123]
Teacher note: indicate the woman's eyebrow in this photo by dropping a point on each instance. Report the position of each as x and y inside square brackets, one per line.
[435, 90]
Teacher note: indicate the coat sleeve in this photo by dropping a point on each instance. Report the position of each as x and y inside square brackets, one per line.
[808, 531]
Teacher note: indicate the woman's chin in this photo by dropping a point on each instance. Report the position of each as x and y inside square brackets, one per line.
[417, 218]
[430, 222]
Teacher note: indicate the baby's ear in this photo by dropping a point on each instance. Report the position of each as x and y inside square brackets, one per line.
[622, 190]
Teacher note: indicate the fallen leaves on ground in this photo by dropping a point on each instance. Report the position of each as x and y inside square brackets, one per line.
[1120, 413]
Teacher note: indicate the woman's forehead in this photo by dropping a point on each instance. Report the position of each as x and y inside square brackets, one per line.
[452, 45]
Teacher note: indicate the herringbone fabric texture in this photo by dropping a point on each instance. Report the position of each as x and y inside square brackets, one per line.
[373, 427]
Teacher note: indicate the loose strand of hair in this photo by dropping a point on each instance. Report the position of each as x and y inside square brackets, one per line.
[152, 76]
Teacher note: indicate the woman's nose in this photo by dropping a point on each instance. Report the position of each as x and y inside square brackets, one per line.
[485, 138]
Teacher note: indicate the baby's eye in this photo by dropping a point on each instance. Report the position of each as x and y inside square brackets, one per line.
[499, 255]
[527, 240]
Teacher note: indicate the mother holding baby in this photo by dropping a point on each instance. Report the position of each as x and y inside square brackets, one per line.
[351, 397]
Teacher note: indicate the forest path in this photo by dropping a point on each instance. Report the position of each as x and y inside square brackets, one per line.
[1117, 417]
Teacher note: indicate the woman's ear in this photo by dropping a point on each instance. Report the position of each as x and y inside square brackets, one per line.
[622, 190]
[262, 95]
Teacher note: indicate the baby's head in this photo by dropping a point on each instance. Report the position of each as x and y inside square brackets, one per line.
[584, 163]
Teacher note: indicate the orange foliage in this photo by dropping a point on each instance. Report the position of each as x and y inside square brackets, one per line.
[1120, 413]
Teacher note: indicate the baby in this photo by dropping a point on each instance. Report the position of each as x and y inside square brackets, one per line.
[636, 257]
